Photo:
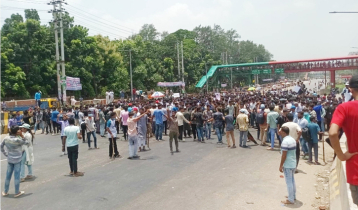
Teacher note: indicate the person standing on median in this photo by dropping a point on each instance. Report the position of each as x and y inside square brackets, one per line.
[346, 117]
[288, 163]
[71, 135]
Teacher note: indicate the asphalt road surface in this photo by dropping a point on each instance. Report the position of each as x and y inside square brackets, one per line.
[201, 176]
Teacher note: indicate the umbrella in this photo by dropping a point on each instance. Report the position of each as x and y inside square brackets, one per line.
[258, 88]
[251, 88]
[157, 95]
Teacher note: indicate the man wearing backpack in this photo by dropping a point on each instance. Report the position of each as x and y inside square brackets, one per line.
[261, 119]
[314, 130]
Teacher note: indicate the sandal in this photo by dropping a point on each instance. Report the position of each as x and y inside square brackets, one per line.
[286, 202]
[4, 194]
[19, 194]
[29, 177]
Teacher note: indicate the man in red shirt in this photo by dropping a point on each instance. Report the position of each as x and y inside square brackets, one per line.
[134, 93]
[346, 117]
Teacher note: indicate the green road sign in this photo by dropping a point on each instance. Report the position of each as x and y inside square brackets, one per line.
[266, 71]
[256, 71]
[279, 71]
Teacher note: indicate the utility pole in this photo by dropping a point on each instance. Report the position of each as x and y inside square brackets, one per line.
[130, 69]
[54, 13]
[178, 60]
[182, 61]
[64, 96]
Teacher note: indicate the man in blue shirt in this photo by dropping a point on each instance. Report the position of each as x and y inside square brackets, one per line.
[158, 115]
[288, 163]
[314, 131]
[70, 138]
[19, 118]
[55, 125]
[38, 98]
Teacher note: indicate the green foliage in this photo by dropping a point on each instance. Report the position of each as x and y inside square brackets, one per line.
[28, 62]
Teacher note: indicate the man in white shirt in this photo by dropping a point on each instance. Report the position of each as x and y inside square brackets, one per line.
[107, 97]
[91, 131]
[111, 96]
[181, 119]
[295, 133]
[346, 93]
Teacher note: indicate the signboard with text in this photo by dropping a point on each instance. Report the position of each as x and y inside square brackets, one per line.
[73, 83]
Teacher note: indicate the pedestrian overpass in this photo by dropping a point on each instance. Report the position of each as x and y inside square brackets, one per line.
[247, 72]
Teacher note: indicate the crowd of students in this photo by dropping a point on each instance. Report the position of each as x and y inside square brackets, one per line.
[298, 122]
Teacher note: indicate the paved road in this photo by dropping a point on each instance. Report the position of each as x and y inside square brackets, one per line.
[201, 176]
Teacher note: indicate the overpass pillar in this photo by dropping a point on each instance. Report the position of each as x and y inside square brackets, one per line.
[333, 78]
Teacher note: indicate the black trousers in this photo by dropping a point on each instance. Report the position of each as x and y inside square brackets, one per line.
[125, 130]
[83, 134]
[113, 147]
[55, 127]
[165, 124]
[48, 126]
[193, 129]
[117, 126]
[298, 151]
[187, 132]
[72, 153]
[181, 129]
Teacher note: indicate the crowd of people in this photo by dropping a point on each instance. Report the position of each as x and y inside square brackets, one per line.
[296, 121]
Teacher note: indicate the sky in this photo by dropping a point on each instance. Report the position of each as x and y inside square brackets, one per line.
[290, 29]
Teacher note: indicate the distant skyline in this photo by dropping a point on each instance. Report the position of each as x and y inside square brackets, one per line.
[290, 30]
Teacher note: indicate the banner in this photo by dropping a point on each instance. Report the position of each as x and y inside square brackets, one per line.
[171, 84]
[73, 83]
[223, 85]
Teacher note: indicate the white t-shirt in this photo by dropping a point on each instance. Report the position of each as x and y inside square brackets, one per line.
[294, 128]
[89, 123]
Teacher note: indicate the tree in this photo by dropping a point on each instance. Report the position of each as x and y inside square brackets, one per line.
[148, 32]
[28, 61]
